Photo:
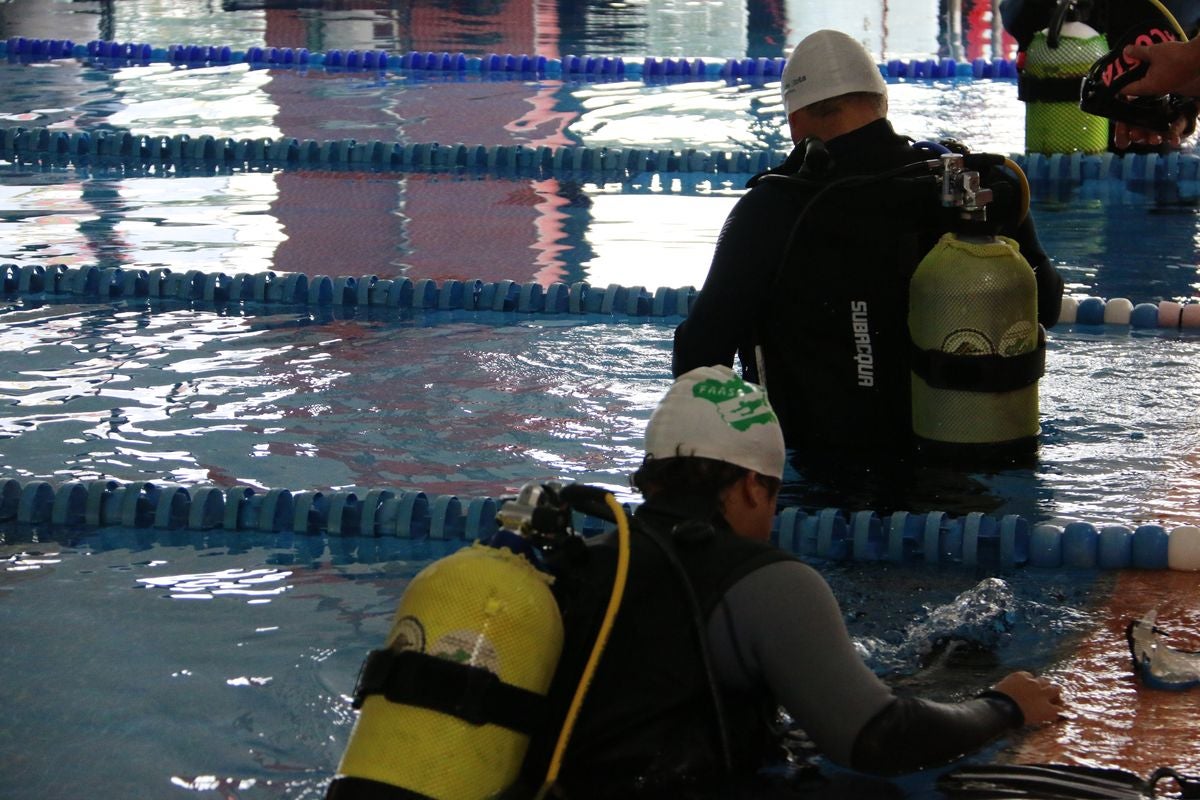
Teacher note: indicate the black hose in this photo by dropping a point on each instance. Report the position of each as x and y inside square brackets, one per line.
[1054, 30]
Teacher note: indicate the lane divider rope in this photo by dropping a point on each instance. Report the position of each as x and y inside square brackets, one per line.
[522, 66]
[114, 146]
[828, 534]
[205, 154]
[367, 291]
[580, 297]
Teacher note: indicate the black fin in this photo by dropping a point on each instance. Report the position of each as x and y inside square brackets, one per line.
[1043, 782]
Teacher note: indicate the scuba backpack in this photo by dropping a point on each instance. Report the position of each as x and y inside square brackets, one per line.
[899, 317]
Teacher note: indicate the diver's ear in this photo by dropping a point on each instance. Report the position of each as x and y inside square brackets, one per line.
[752, 492]
[748, 505]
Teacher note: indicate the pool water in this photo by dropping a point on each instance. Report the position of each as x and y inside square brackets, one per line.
[245, 649]
[474, 404]
[561, 227]
[217, 664]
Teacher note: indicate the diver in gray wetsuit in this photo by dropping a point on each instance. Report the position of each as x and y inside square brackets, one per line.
[718, 629]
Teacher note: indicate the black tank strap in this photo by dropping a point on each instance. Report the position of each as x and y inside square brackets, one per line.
[473, 694]
[720, 717]
[980, 373]
[1049, 90]
[351, 788]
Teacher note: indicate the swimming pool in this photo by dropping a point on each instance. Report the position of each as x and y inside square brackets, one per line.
[209, 390]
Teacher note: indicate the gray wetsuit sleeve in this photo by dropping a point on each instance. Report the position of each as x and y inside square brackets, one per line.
[791, 636]
[781, 626]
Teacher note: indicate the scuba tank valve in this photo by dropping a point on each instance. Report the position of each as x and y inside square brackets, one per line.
[961, 188]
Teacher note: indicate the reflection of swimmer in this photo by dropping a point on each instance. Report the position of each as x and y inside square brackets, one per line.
[887, 485]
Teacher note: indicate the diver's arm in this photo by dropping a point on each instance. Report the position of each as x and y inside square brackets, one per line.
[912, 733]
[790, 635]
[723, 315]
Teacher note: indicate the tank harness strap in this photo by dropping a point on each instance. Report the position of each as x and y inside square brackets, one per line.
[1049, 90]
[351, 788]
[981, 373]
[472, 694]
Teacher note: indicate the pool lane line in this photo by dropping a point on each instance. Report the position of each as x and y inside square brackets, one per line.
[205, 154]
[934, 538]
[530, 297]
[516, 66]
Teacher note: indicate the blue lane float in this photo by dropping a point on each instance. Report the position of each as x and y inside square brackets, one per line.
[518, 66]
[369, 291]
[1119, 311]
[830, 534]
[205, 154]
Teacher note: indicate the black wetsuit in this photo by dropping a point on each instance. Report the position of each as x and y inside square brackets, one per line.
[775, 637]
[1114, 18]
[1024, 18]
[845, 253]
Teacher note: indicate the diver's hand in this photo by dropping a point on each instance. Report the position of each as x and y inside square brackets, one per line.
[1174, 68]
[1039, 699]
[1125, 135]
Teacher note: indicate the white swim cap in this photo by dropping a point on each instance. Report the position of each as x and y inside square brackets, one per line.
[827, 64]
[712, 413]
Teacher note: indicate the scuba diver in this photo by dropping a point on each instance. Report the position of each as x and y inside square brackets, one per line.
[1024, 18]
[682, 633]
[810, 279]
[1116, 24]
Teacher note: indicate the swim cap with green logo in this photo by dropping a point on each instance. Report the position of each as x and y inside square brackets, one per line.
[712, 413]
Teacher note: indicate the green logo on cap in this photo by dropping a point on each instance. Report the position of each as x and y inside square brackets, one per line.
[740, 404]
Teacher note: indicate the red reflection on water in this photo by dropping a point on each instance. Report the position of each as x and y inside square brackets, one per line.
[420, 225]
[1116, 721]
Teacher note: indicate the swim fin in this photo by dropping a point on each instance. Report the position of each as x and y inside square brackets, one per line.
[1058, 782]
[1041, 781]
[1159, 666]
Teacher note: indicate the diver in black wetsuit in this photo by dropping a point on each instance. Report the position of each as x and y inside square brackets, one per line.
[1024, 18]
[798, 301]
[718, 628]
[1114, 18]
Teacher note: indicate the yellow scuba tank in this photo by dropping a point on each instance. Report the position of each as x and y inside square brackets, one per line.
[978, 349]
[1051, 71]
[448, 706]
